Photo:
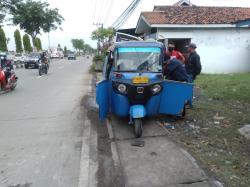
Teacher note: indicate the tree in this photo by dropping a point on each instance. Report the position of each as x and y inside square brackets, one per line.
[6, 6]
[65, 50]
[3, 40]
[52, 20]
[38, 44]
[18, 41]
[26, 43]
[88, 49]
[104, 37]
[78, 44]
[34, 16]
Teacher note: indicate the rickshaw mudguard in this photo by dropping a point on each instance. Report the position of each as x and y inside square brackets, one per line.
[119, 104]
[103, 98]
[137, 111]
[174, 96]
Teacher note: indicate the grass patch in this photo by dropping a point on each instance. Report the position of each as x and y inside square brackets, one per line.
[223, 152]
[226, 87]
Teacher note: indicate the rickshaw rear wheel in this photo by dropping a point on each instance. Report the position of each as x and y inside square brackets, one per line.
[138, 127]
[183, 114]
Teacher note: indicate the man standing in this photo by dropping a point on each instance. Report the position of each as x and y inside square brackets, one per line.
[172, 53]
[193, 65]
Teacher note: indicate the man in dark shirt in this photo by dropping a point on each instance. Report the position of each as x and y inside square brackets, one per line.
[193, 65]
[175, 71]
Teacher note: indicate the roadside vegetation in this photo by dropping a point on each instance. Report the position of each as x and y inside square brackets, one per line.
[210, 130]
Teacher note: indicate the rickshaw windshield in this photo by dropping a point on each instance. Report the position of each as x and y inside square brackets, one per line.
[143, 59]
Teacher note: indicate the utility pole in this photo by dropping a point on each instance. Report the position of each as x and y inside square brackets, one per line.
[98, 25]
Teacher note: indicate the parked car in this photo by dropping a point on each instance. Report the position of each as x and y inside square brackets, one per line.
[71, 56]
[32, 60]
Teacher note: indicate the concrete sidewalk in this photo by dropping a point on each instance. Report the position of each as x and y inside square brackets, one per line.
[160, 162]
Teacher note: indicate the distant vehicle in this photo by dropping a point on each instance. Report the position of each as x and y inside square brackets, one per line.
[56, 53]
[43, 69]
[19, 58]
[71, 56]
[10, 57]
[32, 60]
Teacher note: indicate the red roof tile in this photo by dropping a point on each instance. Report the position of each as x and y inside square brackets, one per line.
[196, 15]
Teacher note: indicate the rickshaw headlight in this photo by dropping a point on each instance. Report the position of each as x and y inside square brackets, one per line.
[122, 88]
[156, 89]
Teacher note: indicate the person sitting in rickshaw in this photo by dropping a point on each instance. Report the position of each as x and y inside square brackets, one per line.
[175, 71]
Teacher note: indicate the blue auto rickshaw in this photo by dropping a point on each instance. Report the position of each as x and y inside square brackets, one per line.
[134, 84]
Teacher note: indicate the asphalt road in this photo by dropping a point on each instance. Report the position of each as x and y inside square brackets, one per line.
[42, 124]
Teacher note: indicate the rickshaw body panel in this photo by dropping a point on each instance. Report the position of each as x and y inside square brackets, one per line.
[119, 104]
[152, 106]
[174, 96]
[103, 89]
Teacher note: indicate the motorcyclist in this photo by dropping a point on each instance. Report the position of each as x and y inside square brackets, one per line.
[8, 68]
[44, 58]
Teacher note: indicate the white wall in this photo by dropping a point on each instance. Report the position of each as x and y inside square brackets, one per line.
[225, 50]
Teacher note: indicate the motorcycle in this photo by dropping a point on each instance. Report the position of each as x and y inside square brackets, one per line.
[43, 68]
[12, 80]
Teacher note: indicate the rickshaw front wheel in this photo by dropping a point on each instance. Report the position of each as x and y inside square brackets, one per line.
[138, 127]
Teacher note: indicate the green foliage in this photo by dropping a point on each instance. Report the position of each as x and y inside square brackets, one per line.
[18, 41]
[26, 43]
[7, 6]
[78, 44]
[103, 35]
[38, 44]
[226, 87]
[98, 58]
[34, 16]
[3, 41]
[65, 50]
[52, 20]
[104, 38]
[88, 49]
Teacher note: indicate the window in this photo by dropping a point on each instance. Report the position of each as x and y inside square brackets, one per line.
[144, 59]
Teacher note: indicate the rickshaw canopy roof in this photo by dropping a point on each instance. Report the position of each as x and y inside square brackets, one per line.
[139, 44]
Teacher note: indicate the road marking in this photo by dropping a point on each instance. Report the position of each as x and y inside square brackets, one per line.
[88, 167]
[84, 163]
[94, 159]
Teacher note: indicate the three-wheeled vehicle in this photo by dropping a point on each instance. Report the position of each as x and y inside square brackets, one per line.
[134, 84]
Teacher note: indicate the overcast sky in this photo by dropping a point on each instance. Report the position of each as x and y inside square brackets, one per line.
[81, 14]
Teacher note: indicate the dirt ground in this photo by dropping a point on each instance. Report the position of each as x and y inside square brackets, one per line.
[210, 133]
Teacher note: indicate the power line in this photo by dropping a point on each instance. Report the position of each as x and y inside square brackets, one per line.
[108, 11]
[100, 10]
[94, 13]
[126, 14]
[125, 18]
